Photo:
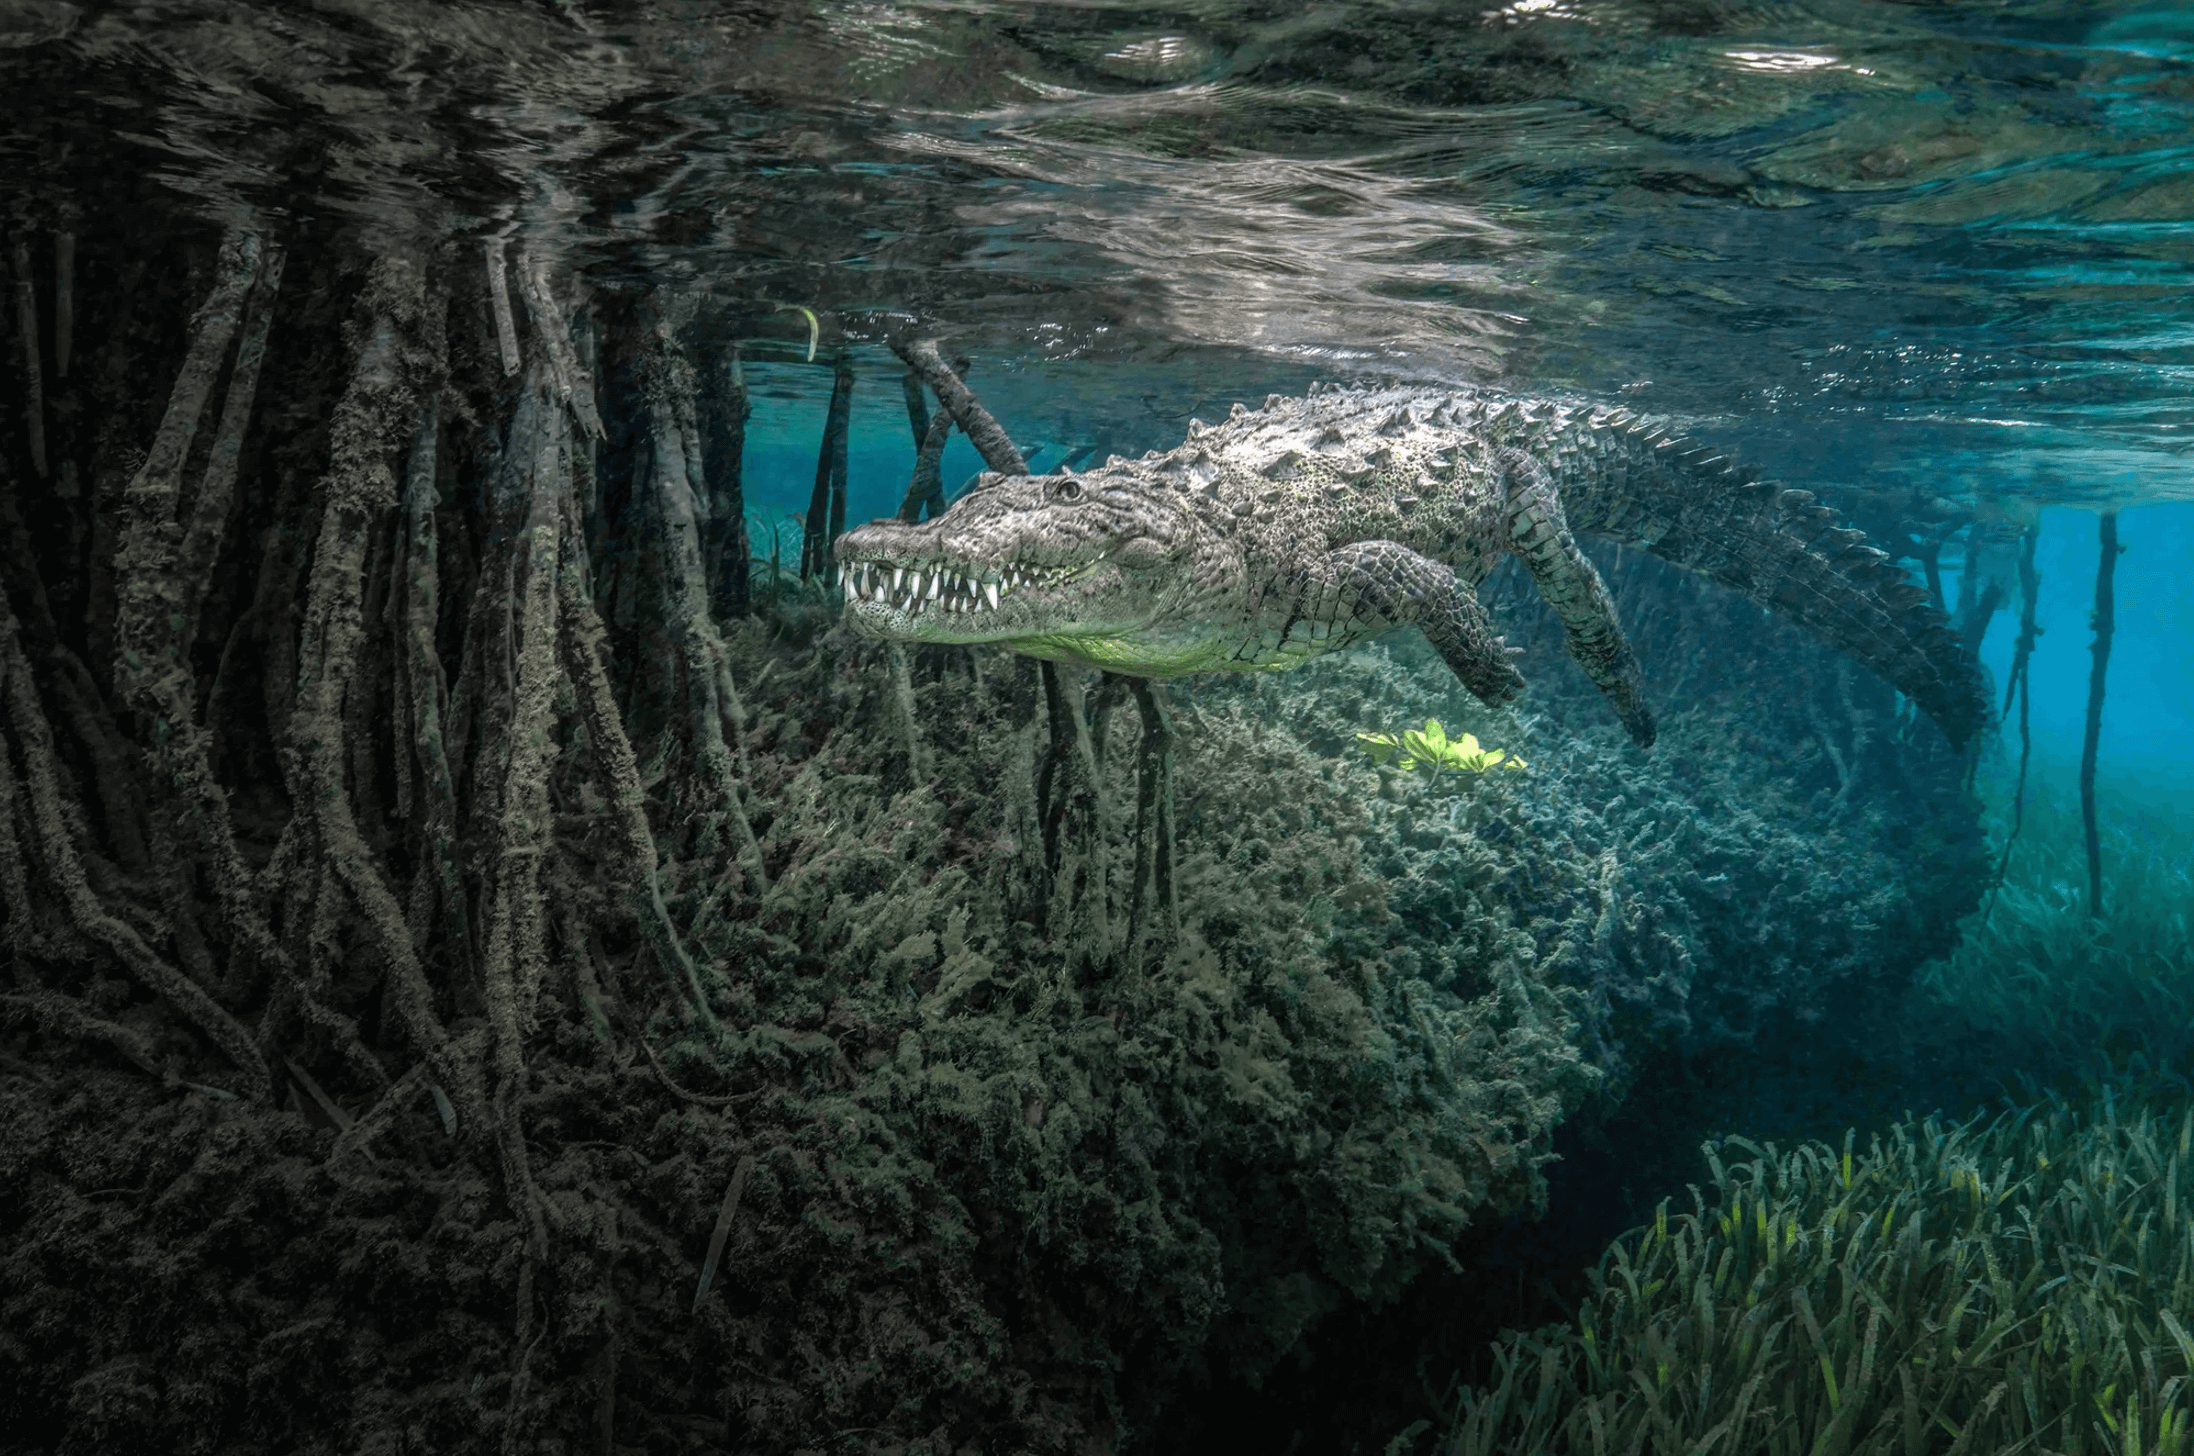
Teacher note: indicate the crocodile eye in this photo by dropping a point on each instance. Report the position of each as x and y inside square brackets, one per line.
[1068, 489]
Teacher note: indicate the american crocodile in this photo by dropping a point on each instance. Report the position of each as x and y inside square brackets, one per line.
[1308, 525]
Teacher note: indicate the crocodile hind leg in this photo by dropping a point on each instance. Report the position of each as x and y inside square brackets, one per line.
[1539, 534]
[1372, 586]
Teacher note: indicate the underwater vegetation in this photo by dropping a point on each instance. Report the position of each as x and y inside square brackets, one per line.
[2018, 1280]
[2062, 997]
[2019, 1283]
[1430, 749]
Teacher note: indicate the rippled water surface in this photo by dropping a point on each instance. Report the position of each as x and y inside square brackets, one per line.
[1932, 247]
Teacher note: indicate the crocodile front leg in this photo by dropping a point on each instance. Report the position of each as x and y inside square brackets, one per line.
[1539, 533]
[1369, 587]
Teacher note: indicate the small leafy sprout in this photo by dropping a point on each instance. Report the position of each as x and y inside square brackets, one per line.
[1429, 748]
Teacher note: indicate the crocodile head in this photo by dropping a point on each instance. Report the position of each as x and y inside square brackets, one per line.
[1112, 569]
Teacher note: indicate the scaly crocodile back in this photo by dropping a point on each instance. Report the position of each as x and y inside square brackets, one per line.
[1423, 466]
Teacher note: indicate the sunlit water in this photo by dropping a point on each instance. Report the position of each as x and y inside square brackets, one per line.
[1934, 251]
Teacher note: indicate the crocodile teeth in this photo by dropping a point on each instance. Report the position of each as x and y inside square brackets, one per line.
[990, 589]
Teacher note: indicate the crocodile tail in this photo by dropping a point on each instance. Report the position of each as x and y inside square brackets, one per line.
[1782, 549]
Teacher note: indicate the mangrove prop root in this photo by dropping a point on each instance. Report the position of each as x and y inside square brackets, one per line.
[377, 401]
[2022, 656]
[990, 441]
[926, 487]
[58, 1015]
[34, 384]
[733, 723]
[146, 562]
[841, 386]
[1071, 809]
[209, 517]
[618, 772]
[725, 546]
[64, 301]
[573, 384]
[910, 386]
[512, 964]
[817, 543]
[506, 332]
[2106, 570]
[1154, 894]
[726, 1216]
[163, 587]
[673, 476]
[440, 874]
[65, 869]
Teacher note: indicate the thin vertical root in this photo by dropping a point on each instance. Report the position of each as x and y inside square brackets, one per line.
[397, 660]
[2104, 620]
[514, 909]
[727, 546]
[506, 332]
[926, 488]
[1071, 807]
[423, 666]
[2030, 583]
[513, 966]
[34, 382]
[815, 544]
[1154, 897]
[619, 773]
[147, 558]
[727, 1214]
[586, 985]
[209, 517]
[841, 389]
[64, 301]
[573, 384]
[22, 934]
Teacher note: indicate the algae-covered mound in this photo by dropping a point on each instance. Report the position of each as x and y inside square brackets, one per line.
[1016, 1171]
[1783, 863]
[2019, 1285]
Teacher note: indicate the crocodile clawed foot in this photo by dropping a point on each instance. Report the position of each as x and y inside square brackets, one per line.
[1637, 717]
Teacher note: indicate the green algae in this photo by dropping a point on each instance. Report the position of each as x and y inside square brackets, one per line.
[1429, 748]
